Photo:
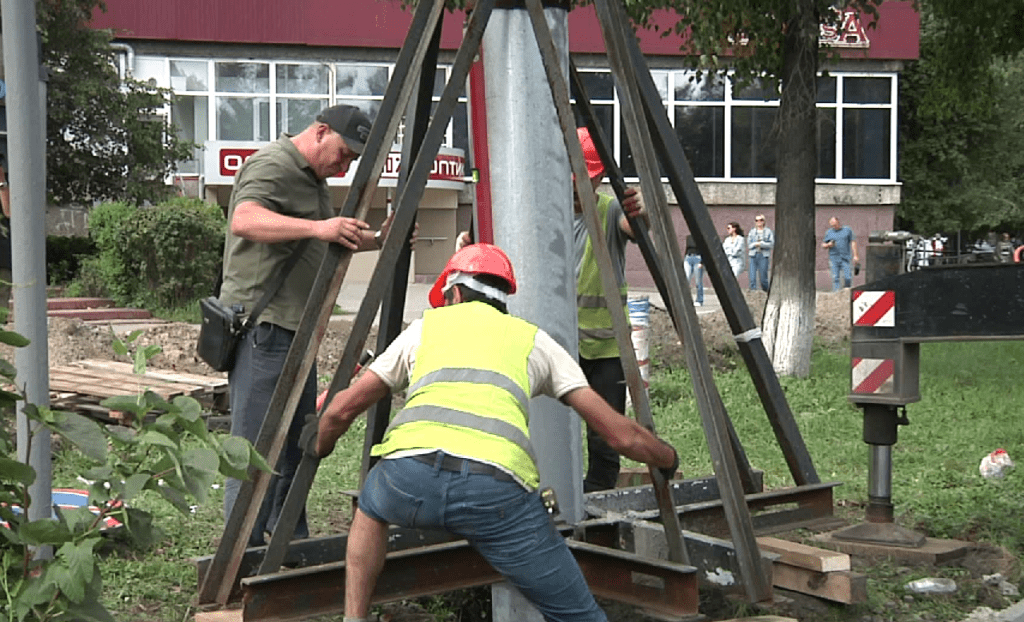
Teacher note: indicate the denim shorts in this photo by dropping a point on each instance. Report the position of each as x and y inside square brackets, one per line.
[505, 523]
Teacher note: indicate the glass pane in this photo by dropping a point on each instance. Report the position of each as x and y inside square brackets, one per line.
[867, 90]
[660, 79]
[626, 159]
[190, 118]
[866, 144]
[295, 115]
[826, 143]
[598, 84]
[460, 130]
[361, 80]
[753, 147]
[710, 87]
[701, 132]
[189, 75]
[757, 90]
[368, 106]
[243, 77]
[243, 118]
[826, 89]
[440, 79]
[302, 79]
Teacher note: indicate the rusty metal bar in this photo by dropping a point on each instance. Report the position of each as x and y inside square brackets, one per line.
[616, 575]
[393, 305]
[405, 213]
[219, 581]
[642, 237]
[734, 305]
[614, 24]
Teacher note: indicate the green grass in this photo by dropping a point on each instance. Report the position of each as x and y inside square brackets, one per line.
[970, 405]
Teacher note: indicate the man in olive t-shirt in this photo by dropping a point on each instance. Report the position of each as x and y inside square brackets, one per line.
[280, 197]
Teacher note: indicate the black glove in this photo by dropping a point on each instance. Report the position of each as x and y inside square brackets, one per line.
[856, 268]
[307, 440]
[669, 472]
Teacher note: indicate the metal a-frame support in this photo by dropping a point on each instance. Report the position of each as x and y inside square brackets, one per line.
[648, 129]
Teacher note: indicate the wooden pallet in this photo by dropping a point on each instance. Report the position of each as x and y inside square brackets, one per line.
[82, 385]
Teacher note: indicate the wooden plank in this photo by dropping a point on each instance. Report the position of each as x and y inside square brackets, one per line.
[210, 382]
[124, 379]
[231, 615]
[804, 556]
[108, 385]
[840, 586]
[759, 619]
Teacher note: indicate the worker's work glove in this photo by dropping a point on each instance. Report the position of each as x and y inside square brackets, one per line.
[307, 440]
[670, 472]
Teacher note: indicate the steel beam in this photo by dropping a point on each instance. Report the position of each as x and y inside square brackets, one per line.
[665, 588]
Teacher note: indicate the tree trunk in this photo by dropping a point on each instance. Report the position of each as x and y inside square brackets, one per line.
[788, 322]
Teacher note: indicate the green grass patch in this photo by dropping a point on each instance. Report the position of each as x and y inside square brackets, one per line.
[970, 405]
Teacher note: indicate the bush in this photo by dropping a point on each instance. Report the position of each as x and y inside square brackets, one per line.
[162, 257]
[64, 257]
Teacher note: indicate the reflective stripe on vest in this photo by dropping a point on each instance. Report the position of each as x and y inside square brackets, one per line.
[596, 335]
[469, 390]
[467, 420]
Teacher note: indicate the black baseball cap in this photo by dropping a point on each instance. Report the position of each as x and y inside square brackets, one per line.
[350, 122]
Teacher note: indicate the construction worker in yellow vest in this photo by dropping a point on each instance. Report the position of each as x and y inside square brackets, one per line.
[458, 456]
[599, 352]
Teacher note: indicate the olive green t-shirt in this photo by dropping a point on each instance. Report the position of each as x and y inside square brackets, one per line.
[280, 179]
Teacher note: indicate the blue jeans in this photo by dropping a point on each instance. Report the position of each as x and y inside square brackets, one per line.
[759, 268]
[837, 263]
[690, 263]
[258, 364]
[507, 525]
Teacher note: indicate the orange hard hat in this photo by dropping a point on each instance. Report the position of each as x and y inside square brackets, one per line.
[474, 259]
[594, 165]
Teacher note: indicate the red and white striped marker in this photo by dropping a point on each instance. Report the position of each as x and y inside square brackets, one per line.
[874, 308]
[873, 375]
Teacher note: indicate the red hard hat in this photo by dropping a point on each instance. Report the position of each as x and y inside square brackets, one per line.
[474, 259]
[594, 165]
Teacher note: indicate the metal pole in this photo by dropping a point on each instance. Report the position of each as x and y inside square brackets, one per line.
[532, 211]
[26, 143]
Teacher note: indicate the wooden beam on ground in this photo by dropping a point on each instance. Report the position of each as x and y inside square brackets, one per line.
[226, 615]
[804, 556]
[841, 586]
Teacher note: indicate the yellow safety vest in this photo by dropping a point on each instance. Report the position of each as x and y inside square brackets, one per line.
[469, 391]
[597, 338]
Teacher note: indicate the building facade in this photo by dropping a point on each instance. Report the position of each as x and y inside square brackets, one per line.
[243, 73]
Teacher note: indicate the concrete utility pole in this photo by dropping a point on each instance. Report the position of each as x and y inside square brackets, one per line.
[531, 199]
[26, 138]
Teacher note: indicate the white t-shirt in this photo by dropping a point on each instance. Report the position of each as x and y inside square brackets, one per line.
[551, 370]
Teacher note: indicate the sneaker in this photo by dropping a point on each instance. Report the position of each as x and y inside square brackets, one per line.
[698, 304]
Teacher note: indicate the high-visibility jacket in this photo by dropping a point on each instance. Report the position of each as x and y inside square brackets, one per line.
[597, 338]
[469, 391]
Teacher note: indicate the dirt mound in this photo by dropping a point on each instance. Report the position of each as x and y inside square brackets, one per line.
[832, 328]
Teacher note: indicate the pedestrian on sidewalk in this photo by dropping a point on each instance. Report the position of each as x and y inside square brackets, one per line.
[760, 242]
[841, 248]
[735, 247]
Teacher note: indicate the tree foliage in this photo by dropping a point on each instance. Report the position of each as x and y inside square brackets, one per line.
[105, 139]
[961, 127]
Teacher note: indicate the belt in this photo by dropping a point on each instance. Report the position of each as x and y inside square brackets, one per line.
[454, 463]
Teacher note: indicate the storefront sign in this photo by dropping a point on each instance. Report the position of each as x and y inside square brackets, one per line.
[448, 171]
